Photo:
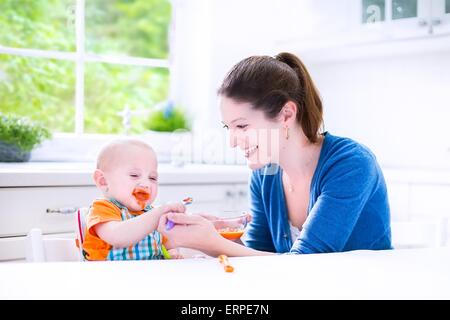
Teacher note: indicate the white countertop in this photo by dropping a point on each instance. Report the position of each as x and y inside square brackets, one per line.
[390, 274]
[80, 173]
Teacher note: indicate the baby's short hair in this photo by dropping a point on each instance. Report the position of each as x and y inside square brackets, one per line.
[110, 150]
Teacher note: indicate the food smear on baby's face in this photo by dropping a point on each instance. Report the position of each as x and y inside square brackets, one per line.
[141, 195]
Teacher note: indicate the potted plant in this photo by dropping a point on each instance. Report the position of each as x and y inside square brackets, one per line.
[169, 132]
[18, 137]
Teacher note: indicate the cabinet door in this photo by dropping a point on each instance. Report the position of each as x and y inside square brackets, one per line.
[398, 194]
[12, 248]
[430, 200]
[402, 19]
[26, 208]
[394, 19]
[430, 207]
[363, 28]
[440, 17]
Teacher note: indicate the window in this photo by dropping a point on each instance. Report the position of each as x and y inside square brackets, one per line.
[373, 11]
[75, 64]
[376, 10]
[402, 9]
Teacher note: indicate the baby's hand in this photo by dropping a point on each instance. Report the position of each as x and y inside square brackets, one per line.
[173, 207]
[175, 253]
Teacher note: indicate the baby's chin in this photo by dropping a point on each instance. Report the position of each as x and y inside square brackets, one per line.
[138, 206]
[133, 205]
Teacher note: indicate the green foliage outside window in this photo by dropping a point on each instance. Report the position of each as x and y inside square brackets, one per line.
[37, 24]
[109, 88]
[169, 118]
[44, 89]
[40, 89]
[132, 27]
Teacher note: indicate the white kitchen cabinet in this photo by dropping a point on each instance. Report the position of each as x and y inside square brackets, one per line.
[37, 207]
[420, 207]
[414, 18]
[344, 30]
[430, 200]
[46, 196]
[397, 19]
[398, 194]
[440, 17]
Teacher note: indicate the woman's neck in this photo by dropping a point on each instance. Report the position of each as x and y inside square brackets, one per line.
[299, 157]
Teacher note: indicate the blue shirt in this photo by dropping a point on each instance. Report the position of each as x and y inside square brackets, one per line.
[348, 207]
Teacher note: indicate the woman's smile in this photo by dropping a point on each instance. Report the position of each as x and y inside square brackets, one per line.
[250, 151]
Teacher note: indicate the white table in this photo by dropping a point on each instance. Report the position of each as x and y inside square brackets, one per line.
[392, 274]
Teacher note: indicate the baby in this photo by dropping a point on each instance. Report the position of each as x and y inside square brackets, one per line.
[122, 225]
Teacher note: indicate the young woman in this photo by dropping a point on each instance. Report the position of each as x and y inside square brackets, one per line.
[310, 191]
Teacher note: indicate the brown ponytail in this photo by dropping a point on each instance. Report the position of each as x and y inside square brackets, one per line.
[268, 83]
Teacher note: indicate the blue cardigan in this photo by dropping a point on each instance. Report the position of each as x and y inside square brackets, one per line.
[348, 207]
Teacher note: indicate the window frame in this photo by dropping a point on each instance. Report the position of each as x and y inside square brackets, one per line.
[80, 57]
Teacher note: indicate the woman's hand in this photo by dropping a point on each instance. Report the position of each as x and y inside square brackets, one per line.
[191, 231]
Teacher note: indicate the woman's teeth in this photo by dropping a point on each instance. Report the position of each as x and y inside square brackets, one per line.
[250, 151]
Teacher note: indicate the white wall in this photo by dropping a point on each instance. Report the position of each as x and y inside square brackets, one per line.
[398, 106]
[211, 36]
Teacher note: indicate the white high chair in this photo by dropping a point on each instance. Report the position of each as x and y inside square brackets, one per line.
[40, 248]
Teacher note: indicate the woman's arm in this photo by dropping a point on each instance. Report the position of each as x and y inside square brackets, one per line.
[196, 232]
[257, 234]
[121, 234]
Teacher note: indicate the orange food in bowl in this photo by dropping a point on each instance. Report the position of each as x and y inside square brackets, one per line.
[231, 226]
[231, 233]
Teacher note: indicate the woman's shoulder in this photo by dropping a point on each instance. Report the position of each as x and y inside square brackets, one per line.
[336, 148]
[343, 158]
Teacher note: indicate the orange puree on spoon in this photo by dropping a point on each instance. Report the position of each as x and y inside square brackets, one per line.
[142, 196]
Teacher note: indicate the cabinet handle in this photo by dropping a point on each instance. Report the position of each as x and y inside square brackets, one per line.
[230, 194]
[242, 194]
[432, 22]
[422, 22]
[435, 21]
[63, 210]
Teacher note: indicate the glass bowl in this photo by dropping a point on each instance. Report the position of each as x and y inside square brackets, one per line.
[231, 224]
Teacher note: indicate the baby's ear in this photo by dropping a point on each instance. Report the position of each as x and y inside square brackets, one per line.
[100, 180]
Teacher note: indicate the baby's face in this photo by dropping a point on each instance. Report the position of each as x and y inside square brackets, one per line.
[133, 170]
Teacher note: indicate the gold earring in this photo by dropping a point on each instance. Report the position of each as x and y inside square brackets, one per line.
[287, 132]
